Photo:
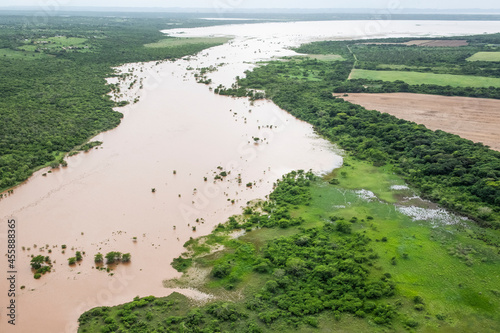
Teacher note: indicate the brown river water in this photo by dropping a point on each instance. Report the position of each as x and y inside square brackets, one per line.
[103, 198]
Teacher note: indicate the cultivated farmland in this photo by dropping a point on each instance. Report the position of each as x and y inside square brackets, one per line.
[475, 119]
[414, 78]
[485, 56]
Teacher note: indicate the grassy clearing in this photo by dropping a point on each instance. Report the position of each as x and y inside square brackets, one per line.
[55, 43]
[485, 56]
[67, 41]
[415, 78]
[357, 174]
[11, 54]
[405, 67]
[174, 42]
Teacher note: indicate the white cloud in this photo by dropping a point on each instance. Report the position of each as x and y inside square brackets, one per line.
[454, 4]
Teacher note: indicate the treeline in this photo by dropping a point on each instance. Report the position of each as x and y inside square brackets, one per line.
[378, 86]
[455, 172]
[53, 103]
[327, 269]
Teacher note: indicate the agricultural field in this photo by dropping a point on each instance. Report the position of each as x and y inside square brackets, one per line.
[438, 43]
[485, 56]
[416, 78]
[475, 119]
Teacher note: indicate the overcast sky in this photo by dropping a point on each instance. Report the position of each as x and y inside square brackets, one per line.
[241, 4]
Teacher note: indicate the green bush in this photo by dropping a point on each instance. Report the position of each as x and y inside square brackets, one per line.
[221, 270]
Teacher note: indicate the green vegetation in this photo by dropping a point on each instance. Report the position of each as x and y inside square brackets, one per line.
[323, 57]
[113, 257]
[339, 253]
[309, 262]
[415, 78]
[407, 62]
[126, 257]
[98, 258]
[454, 172]
[58, 99]
[89, 145]
[9, 53]
[40, 265]
[485, 56]
[57, 43]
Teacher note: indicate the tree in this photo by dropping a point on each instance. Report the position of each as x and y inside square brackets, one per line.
[343, 227]
[37, 262]
[126, 257]
[112, 257]
[98, 258]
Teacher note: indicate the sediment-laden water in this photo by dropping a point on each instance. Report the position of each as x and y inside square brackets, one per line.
[178, 134]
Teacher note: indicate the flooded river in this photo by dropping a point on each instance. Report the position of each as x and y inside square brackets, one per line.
[175, 140]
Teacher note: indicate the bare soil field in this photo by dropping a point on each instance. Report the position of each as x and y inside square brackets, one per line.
[476, 119]
[439, 43]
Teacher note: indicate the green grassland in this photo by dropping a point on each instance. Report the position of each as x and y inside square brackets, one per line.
[485, 56]
[415, 78]
[174, 42]
[56, 43]
[24, 55]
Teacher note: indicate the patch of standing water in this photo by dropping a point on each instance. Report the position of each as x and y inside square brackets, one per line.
[399, 187]
[438, 216]
[366, 195]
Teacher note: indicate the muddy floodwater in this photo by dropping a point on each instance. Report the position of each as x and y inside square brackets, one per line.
[175, 140]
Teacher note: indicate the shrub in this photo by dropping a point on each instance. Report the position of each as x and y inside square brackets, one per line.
[126, 257]
[411, 323]
[419, 307]
[221, 270]
[98, 258]
[418, 300]
[112, 257]
[334, 181]
[37, 262]
[343, 227]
